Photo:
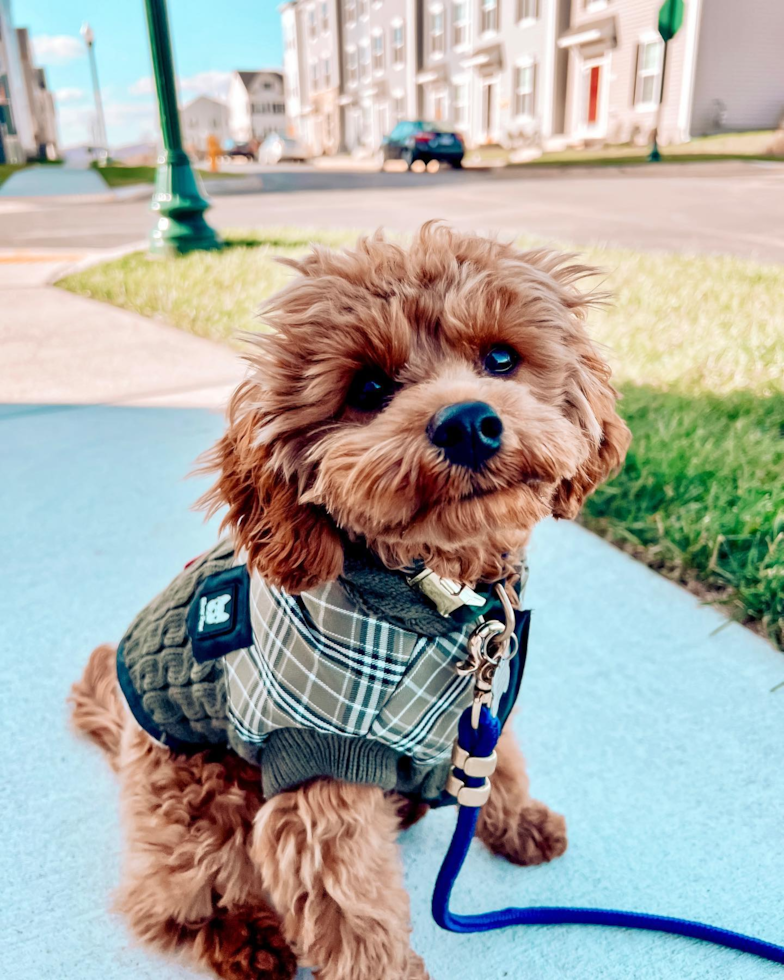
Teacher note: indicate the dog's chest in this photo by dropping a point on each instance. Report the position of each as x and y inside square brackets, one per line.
[318, 662]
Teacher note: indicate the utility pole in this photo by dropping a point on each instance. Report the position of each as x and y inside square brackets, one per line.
[100, 125]
[178, 198]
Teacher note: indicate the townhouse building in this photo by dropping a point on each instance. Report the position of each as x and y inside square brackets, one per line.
[39, 99]
[27, 123]
[492, 69]
[723, 70]
[528, 72]
[313, 70]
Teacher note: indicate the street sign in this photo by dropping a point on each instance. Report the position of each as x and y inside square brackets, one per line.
[670, 18]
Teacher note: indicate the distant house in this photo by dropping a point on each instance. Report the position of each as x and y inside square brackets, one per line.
[257, 105]
[723, 70]
[40, 100]
[201, 118]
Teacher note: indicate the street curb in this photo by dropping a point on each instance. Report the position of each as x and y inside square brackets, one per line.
[105, 255]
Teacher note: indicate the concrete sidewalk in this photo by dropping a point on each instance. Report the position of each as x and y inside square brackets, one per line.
[54, 181]
[654, 725]
[649, 720]
[65, 349]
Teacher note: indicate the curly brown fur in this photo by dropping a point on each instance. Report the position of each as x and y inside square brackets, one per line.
[300, 472]
[189, 884]
[330, 861]
[298, 467]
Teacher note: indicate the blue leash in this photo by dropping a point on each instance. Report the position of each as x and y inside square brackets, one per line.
[480, 743]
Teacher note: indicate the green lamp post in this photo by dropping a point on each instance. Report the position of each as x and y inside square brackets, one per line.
[178, 199]
[670, 21]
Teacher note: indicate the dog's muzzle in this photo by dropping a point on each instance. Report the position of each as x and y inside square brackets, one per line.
[468, 433]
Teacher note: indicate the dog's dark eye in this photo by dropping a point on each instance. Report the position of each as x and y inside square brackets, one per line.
[369, 390]
[501, 360]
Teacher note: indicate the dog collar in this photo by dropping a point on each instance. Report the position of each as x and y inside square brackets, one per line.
[416, 599]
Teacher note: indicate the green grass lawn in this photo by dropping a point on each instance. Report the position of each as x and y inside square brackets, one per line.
[696, 346]
[6, 169]
[116, 175]
[727, 146]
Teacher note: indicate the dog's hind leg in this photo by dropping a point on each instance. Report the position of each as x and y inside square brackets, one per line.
[327, 854]
[511, 823]
[189, 884]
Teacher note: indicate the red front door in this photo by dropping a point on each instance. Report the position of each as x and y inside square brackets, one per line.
[593, 94]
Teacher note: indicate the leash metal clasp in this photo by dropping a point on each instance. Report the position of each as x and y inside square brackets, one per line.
[488, 645]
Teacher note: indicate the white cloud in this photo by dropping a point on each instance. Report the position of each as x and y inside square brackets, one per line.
[142, 86]
[126, 122]
[57, 49]
[64, 95]
[212, 83]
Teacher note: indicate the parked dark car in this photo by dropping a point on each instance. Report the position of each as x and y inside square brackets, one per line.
[424, 141]
[245, 151]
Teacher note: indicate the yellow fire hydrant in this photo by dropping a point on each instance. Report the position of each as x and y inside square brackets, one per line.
[213, 152]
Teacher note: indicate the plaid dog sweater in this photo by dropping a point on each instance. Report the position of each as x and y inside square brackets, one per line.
[316, 685]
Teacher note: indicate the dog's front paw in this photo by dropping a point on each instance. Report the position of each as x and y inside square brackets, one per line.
[246, 944]
[534, 835]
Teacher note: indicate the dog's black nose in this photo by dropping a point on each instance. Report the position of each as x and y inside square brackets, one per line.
[469, 433]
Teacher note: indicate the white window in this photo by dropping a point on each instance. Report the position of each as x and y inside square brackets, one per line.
[314, 75]
[647, 87]
[527, 9]
[324, 16]
[350, 10]
[525, 89]
[364, 8]
[488, 15]
[326, 71]
[364, 61]
[437, 32]
[460, 22]
[398, 108]
[351, 66]
[398, 46]
[312, 24]
[460, 104]
[378, 52]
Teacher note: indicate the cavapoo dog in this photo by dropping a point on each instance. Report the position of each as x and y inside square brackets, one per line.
[289, 701]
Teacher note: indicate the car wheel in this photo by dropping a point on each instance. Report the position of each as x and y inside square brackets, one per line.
[457, 164]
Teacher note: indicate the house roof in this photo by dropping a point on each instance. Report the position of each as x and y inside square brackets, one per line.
[205, 98]
[249, 78]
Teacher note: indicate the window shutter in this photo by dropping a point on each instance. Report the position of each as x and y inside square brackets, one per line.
[534, 82]
[636, 76]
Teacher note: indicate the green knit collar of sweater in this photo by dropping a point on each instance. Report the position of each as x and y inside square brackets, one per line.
[388, 595]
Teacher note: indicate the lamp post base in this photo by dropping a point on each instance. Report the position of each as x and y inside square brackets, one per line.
[179, 202]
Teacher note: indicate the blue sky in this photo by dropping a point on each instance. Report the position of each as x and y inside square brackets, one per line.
[210, 40]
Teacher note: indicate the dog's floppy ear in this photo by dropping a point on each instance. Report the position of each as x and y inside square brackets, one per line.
[292, 545]
[592, 406]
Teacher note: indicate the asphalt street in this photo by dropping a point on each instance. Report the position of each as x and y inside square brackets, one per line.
[735, 208]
